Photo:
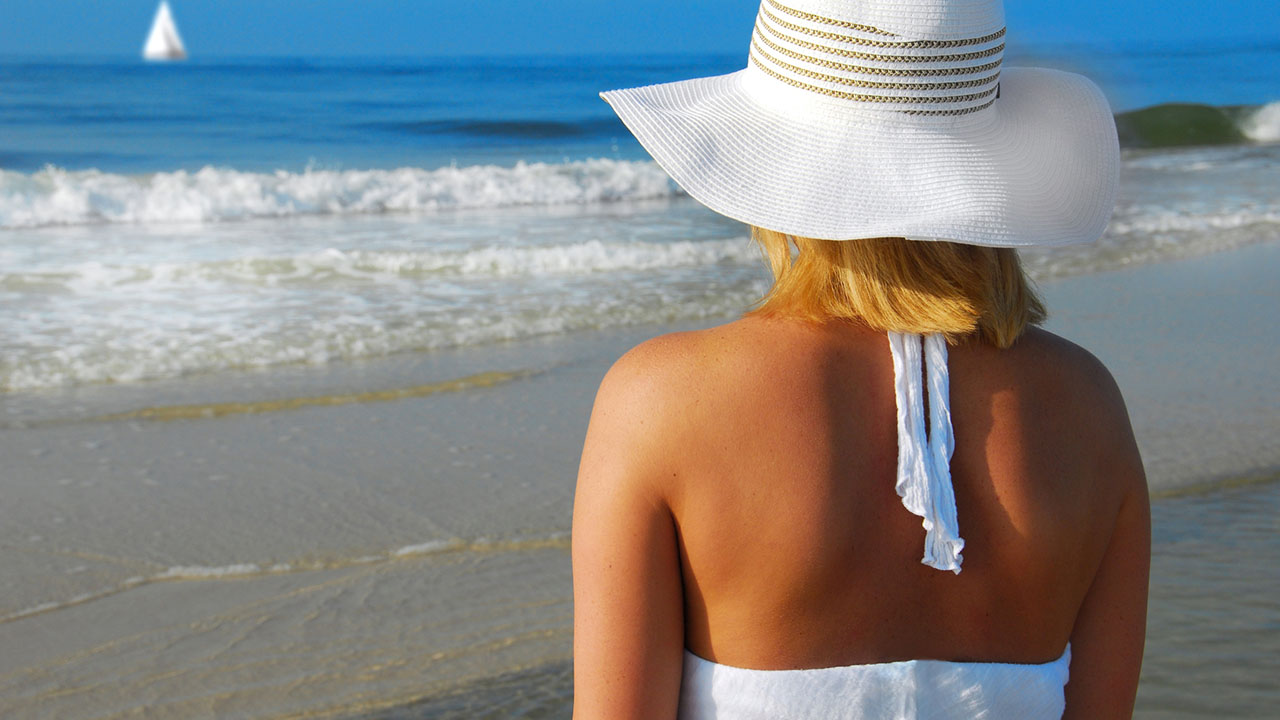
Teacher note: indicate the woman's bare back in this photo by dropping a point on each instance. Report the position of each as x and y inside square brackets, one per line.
[774, 449]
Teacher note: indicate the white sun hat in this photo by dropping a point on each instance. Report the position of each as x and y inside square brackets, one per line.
[887, 118]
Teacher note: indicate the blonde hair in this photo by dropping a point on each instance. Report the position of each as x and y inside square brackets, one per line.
[901, 285]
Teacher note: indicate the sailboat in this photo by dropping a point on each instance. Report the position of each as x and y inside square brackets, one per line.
[164, 43]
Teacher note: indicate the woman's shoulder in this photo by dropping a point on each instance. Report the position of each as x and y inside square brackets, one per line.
[1074, 377]
[682, 381]
[672, 369]
[652, 407]
[1077, 402]
[677, 355]
[699, 365]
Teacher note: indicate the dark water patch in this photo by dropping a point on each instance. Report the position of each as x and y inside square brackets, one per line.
[365, 105]
[24, 161]
[31, 161]
[56, 116]
[505, 129]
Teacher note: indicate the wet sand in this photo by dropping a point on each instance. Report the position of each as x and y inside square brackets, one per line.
[1213, 634]
[404, 554]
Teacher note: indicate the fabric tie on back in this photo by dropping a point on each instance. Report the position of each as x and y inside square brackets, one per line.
[924, 456]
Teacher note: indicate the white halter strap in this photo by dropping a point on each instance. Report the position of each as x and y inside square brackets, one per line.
[924, 460]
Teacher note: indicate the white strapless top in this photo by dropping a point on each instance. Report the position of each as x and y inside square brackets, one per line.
[909, 690]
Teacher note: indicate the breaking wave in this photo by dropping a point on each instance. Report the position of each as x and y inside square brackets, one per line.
[1185, 125]
[57, 197]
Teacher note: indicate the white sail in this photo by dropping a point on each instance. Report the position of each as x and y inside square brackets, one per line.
[164, 43]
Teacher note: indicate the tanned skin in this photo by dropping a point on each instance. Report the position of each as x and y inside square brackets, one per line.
[736, 498]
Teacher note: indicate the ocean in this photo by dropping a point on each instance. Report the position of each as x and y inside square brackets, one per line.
[222, 279]
[165, 221]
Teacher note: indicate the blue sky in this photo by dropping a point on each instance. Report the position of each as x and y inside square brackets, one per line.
[505, 27]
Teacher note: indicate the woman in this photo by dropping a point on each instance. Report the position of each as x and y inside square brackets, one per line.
[754, 500]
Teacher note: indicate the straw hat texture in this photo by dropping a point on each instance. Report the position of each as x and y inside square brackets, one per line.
[887, 118]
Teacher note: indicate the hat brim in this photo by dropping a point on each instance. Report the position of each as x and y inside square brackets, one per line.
[1038, 167]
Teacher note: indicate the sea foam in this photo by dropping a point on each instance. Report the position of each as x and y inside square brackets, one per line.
[333, 266]
[104, 322]
[1263, 125]
[54, 196]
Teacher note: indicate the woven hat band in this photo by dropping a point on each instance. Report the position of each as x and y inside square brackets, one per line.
[922, 73]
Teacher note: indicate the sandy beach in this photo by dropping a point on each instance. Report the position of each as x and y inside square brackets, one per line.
[414, 513]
